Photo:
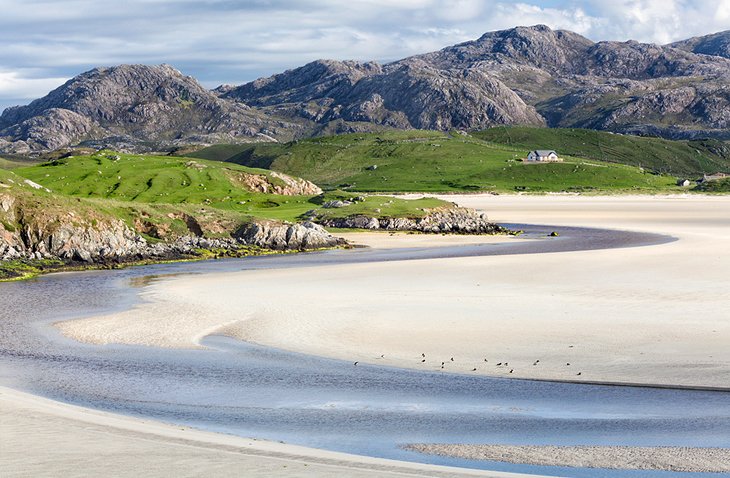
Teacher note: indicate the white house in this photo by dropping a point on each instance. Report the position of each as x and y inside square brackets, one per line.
[543, 156]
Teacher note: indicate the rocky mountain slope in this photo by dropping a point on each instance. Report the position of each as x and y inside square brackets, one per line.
[131, 105]
[717, 44]
[525, 75]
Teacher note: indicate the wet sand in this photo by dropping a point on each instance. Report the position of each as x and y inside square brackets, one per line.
[694, 460]
[646, 315]
[43, 438]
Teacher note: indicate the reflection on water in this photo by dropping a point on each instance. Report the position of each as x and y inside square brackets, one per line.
[239, 388]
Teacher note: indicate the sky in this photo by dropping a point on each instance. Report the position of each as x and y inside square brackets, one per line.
[43, 43]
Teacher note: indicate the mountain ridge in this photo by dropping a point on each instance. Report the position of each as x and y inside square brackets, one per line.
[521, 76]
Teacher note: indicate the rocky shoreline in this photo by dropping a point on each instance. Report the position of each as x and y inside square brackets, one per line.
[121, 245]
[32, 249]
[455, 220]
[39, 237]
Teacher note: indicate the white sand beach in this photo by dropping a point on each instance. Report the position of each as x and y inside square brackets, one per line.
[646, 315]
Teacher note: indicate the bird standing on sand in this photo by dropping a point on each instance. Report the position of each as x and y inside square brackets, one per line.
[579, 373]
[511, 370]
[474, 369]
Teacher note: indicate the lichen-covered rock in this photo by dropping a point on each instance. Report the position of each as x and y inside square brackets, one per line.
[284, 236]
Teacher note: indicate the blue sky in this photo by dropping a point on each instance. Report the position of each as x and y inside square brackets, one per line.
[45, 42]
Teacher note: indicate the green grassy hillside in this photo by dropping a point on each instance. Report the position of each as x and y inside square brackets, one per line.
[428, 161]
[684, 158]
[159, 186]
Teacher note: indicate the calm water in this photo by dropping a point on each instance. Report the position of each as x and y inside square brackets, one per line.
[248, 390]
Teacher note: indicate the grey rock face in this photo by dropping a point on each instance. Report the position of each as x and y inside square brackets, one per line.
[66, 235]
[717, 44]
[282, 236]
[408, 94]
[70, 239]
[455, 220]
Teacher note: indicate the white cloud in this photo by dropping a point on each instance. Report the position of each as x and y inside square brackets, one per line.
[14, 85]
[660, 21]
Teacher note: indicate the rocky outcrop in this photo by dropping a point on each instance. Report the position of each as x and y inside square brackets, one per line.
[92, 237]
[294, 186]
[24, 233]
[456, 220]
[283, 236]
[274, 183]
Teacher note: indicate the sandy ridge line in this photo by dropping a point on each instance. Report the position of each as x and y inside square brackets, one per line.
[110, 428]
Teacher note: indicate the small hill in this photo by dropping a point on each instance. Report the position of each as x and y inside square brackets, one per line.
[427, 161]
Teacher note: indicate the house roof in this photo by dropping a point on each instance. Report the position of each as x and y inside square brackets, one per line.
[544, 152]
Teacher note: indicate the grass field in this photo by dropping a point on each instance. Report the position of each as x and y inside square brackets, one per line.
[427, 161]
[130, 186]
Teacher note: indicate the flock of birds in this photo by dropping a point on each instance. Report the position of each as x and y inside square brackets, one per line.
[503, 365]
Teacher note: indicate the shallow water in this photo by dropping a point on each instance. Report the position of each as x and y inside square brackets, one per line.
[247, 390]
